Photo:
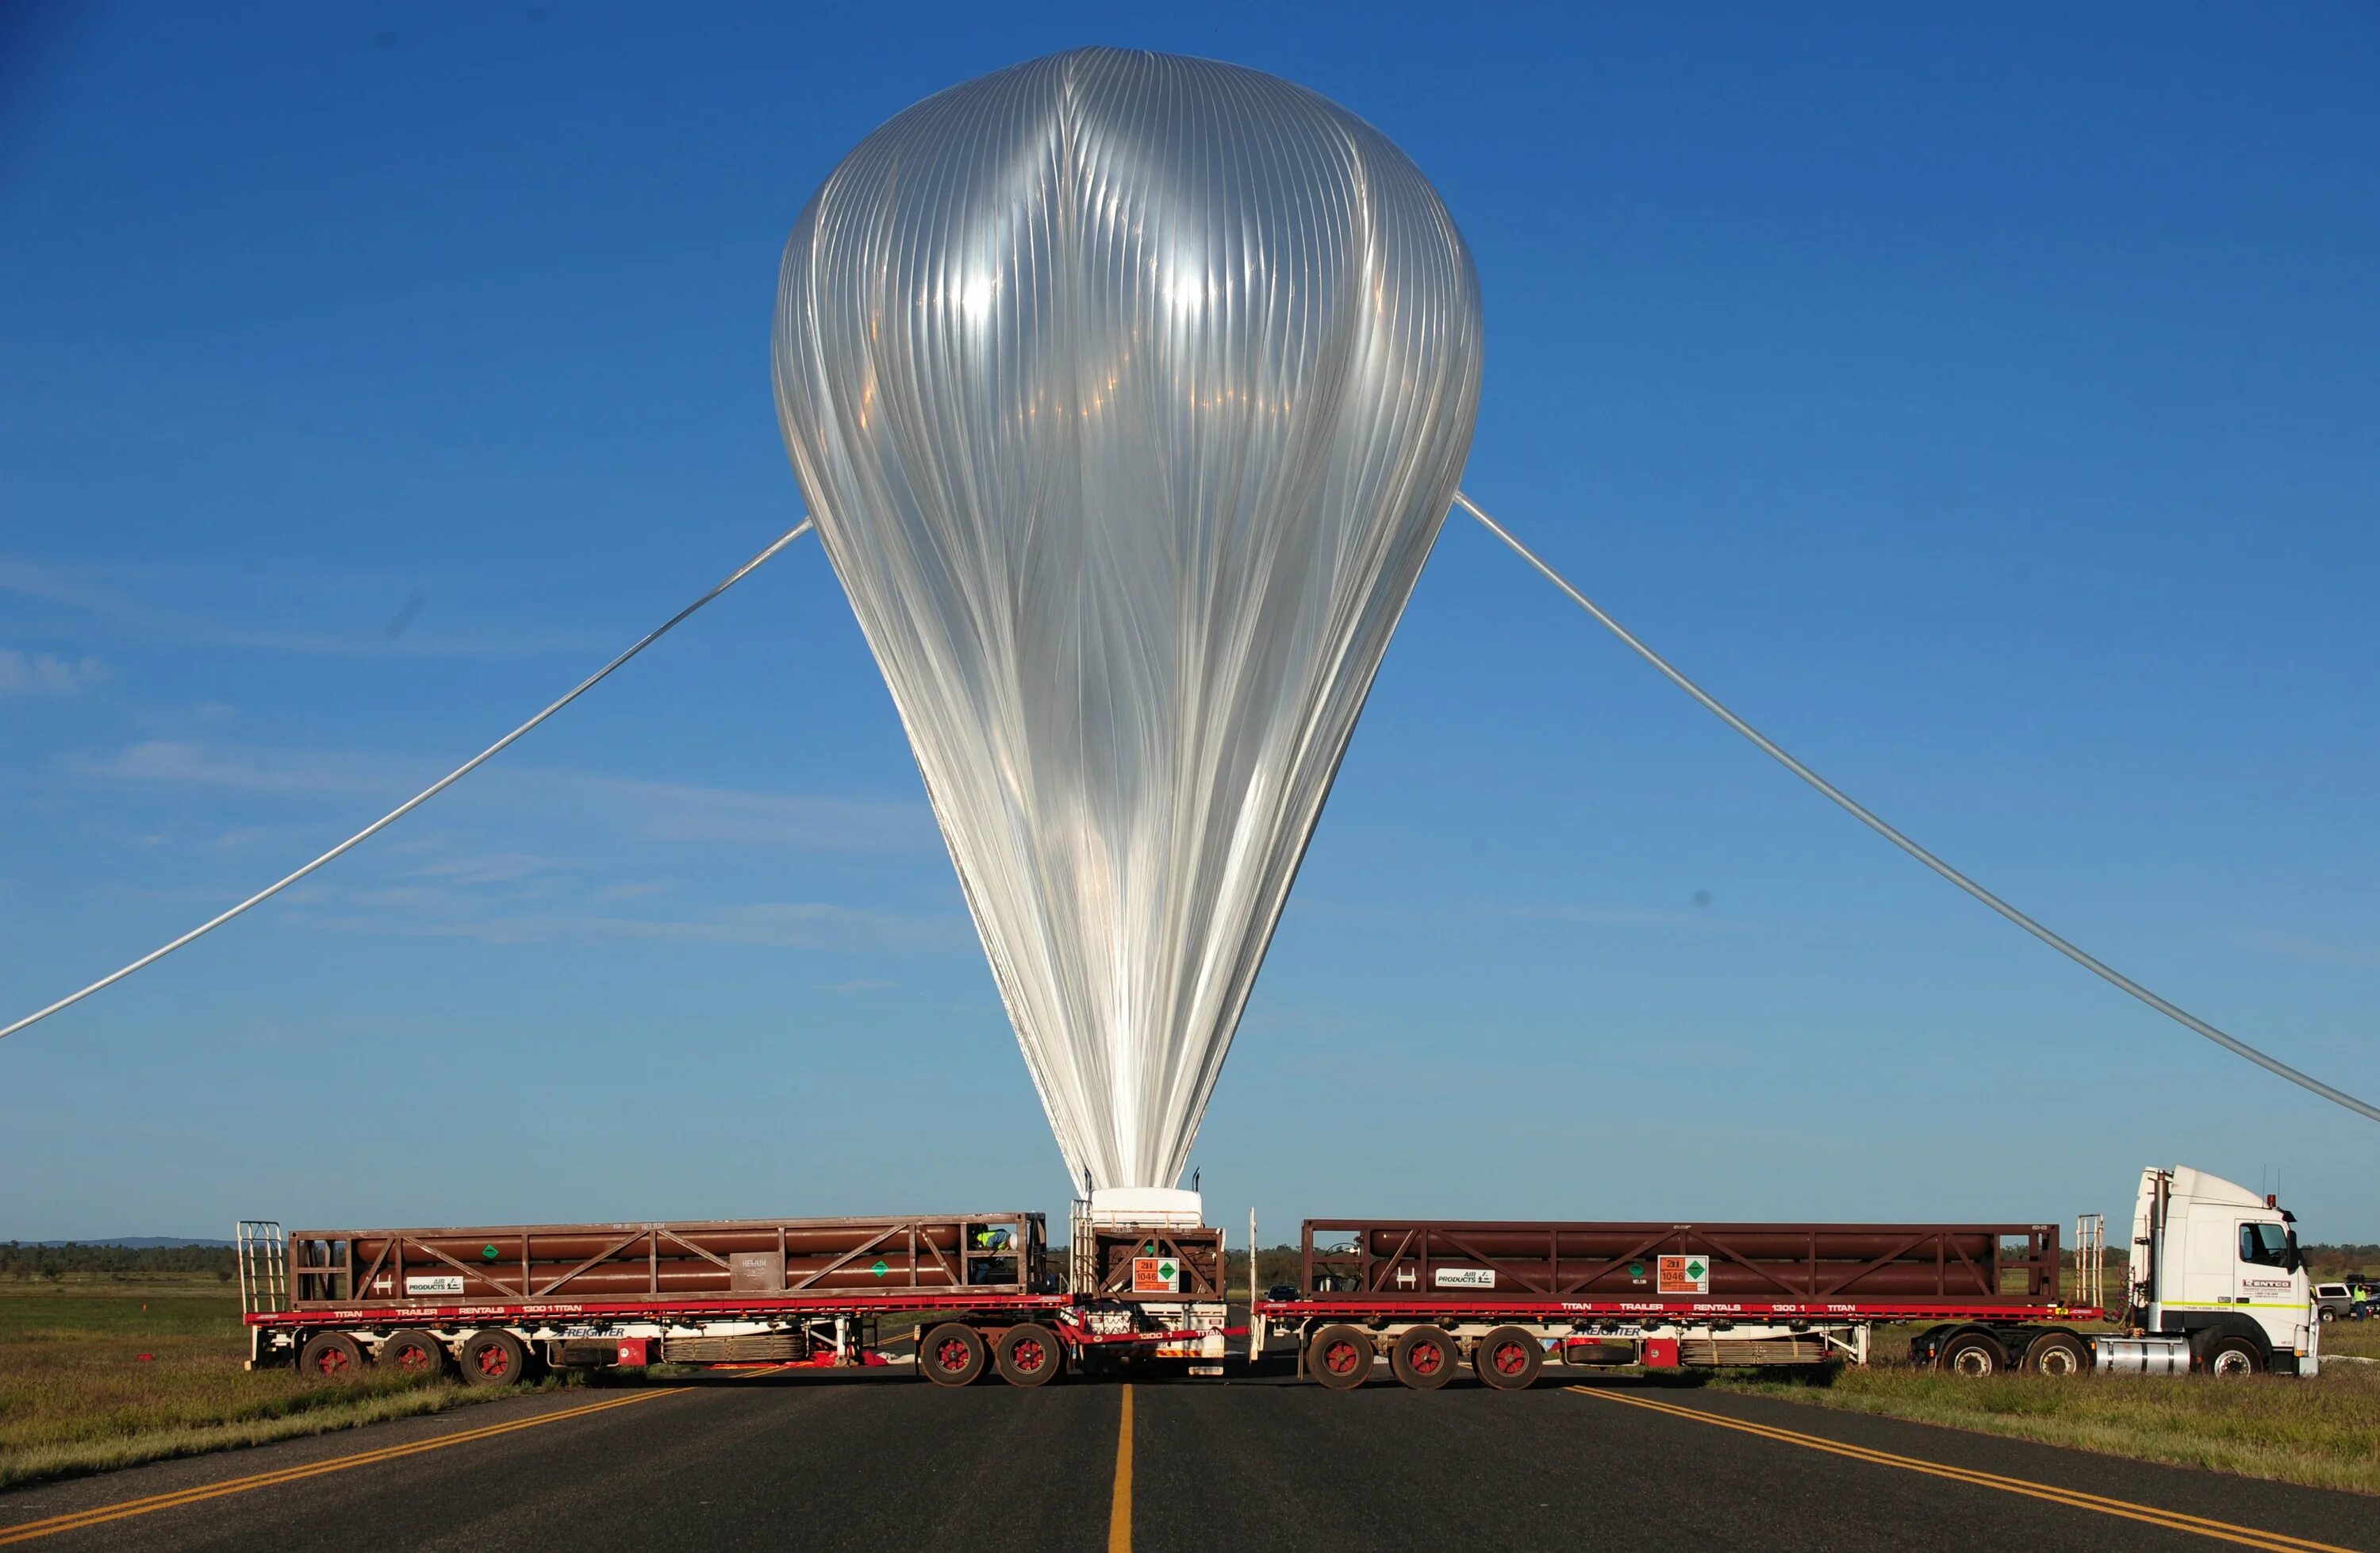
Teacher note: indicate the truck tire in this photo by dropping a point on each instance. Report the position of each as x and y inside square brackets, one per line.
[2056, 1353]
[1340, 1357]
[1425, 1358]
[494, 1357]
[1029, 1355]
[330, 1356]
[414, 1352]
[1972, 1354]
[2326, 1315]
[2233, 1355]
[952, 1355]
[1508, 1359]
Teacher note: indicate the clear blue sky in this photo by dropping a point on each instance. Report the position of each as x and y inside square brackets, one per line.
[1987, 406]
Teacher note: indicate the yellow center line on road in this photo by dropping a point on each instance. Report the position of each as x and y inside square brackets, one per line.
[1120, 1504]
[2171, 1520]
[27, 1531]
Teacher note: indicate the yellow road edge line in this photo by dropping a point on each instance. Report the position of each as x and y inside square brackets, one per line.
[1120, 1503]
[2171, 1520]
[100, 1514]
[1993, 1480]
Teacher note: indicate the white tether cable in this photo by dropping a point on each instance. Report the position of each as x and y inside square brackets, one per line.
[425, 795]
[2089, 962]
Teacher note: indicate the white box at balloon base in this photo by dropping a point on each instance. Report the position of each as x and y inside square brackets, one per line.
[1152, 1206]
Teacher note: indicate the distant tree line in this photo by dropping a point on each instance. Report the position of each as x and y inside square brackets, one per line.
[20, 1263]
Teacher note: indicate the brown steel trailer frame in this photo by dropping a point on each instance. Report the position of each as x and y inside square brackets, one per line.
[903, 1254]
[1421, 1253]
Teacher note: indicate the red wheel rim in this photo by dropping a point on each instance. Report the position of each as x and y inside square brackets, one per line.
[1339, 1358]
[1027, 1356]
[330, 1362]
[1510, 1358]
[1428, 1358]
[411, 1356]
[495, 1362]
[953, 1356]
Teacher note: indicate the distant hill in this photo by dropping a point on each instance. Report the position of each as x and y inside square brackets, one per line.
[131, 1242]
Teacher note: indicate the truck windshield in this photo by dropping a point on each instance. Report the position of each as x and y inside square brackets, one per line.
[2264, 1245]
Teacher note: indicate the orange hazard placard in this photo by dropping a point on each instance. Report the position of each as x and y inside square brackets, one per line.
[1684, 1275]
[1156, 1275]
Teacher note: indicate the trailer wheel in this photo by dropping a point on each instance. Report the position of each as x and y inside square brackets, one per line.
[1028, 1355]
[1340, 1357]
[952, 1355]
[2233, 1356]
[1425, 1358]
[2055, 1353]
[1508, 1359]
[493, 1358]
[330, 1356]
[1972, 1354]
[413, 1352]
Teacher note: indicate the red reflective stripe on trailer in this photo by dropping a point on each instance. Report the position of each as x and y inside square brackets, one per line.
[1561, 1309]
[716, 1310]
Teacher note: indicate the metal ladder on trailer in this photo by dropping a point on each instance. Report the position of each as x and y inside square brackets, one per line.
[263, 1265]
[2091, 1260]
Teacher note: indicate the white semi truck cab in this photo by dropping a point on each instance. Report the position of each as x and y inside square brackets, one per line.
[2215, 1283]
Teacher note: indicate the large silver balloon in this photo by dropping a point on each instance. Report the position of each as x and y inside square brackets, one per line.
[1129, 392]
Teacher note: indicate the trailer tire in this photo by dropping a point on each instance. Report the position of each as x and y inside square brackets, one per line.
[1029, 1355]
[1340, 1357]
[330, 1356]
[2232, 1355]
[494, 1357]
[414, 1352]
[953, 1355]
[1508, 1359]
[1425, 1358]
[2056, 1354]
[1972, 1354]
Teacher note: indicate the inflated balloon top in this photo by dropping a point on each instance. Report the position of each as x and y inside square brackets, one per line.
[1129, 393]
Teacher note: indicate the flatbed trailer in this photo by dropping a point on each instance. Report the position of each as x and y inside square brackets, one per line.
[976, 1291]
[1504, 1299]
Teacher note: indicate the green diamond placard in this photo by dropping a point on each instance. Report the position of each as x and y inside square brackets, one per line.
[488, 1254]
[1695, 1269]
[879, 1270]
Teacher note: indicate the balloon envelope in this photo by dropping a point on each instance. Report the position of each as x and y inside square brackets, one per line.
[1129, 393]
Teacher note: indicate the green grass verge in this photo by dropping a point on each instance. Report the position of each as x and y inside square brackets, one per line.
[2324, 1432]
[108, 1372]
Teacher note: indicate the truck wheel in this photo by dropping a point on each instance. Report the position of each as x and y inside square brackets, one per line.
[1340, 1357]
[1972, 1354]
[1508, 1359]
[2055, 1353]
[493, 1358]
[1424, 1358]
[1028, 1355]
[952, 1355]
[414, 1352]
[2328, 1316]
[2233, 1356]
[330, 1356]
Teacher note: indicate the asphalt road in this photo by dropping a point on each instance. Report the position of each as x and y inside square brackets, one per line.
[879, 1460]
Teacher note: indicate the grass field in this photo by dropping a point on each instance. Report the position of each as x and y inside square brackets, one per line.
[102, 1374]
[2324, 1432]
